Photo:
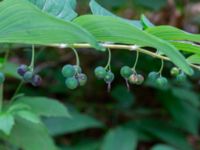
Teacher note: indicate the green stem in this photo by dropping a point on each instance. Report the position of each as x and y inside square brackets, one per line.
[161, 68]
[108, 65]
[1, 97]
[17, 90]
[77, 57]
[32, 58]
[136, 61]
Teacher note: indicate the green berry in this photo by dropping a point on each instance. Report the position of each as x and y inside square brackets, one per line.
[77, 69]
[109, 77]
[82, 79]
[71, 83]
[126, 72]
[2, 78]
[140, 79]
[100, 72]
[68, 71]
[181, 77]
[28, 76]
[153, 76]
[161, 82]
[174, 71]
[133, 79]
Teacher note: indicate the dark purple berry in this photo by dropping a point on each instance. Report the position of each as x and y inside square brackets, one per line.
[36, 80]
[22, 69]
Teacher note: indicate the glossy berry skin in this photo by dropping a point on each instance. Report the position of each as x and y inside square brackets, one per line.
[153, 76]
[2, 78]
[109, 77]
[126, 72]
[71, 83]
[82, 79]
[161, 82]
[100, 72]
[36, 80]
[133, 79]
[77, 69]
[181, 78]
[22, 69]
[174, 71]
[28, 76]
[68, 71]
[140, 79]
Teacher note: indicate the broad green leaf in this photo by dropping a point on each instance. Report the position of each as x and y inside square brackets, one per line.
[3, 147]
[187, 47]
[146, 22]
[13, 108]
[6, 123]
[63, 9]
[99, 10]
[172, 33]
[10, 69]
[106, 28]
[27, 24]
[43, 106]
[120, 139]
[29, 116]
[77, 122]
[194, 59]
[162, 147]
[31, 136]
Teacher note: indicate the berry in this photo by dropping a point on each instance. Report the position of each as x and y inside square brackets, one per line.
[153, 76]
[181, 77]
[77, 69]
[174, 71]
[82, 79]
[133, 79]
[71, 83]
[2, 78]
[22, 69]
[140, 79]
[126, 72]
[36, 80]
[161, 82]
[109, 77]
[100, 72]
[68, 71]
[28, 76]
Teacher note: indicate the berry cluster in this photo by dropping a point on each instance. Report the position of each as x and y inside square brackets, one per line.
[28, 75]
[2, 78]
[180, 76]
[74, 76]
[160, 81]
[131, 76]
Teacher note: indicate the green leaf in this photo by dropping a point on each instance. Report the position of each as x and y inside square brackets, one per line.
[194, 59]
[162, 147]
[106, 28]
[43, 106]
[99, 10]
[146, 22]
[77, 122]
[10, 70]
[32, 136]
[63, 9]
[6, 123]
[29, 116]
[26, 24]
[120, 139]
[172, 33]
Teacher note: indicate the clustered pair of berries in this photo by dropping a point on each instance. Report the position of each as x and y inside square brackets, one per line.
[180, 76]
[74, 76]
[157, 78]
[2, 78]
[131, 76]
[29, 76]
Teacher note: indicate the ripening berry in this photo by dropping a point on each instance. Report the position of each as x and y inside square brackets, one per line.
[71, 83]
[140, 79]
[68, 71]
[22, 69]
[181, 77]
[174, 71]
[36, 80]
[28, 76]
[126, 72]
[82, 79]
[153, 76]
[2, 78]
[100, 72]
[133, 79]
[109, 77]
[77, 69]
[161, 82]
